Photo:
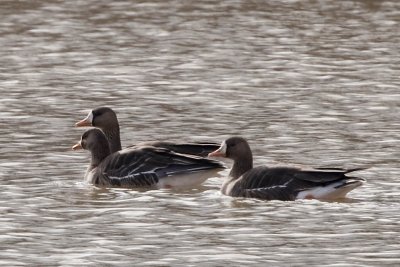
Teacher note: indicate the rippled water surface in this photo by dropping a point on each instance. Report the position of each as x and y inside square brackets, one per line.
[307, 82]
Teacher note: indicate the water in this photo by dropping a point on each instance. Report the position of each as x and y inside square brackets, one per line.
[307, 82]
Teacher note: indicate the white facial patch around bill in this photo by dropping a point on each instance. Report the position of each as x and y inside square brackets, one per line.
[222, 149]
[89, 117]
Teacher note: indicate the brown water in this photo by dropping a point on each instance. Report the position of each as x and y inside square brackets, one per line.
[307, 82]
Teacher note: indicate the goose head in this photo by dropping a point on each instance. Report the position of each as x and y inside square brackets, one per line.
[102, 118]
[233, 148]
[92, 140]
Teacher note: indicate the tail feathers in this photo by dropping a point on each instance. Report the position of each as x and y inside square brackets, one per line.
[335, 190]
[342, 190]
[198, 149]
[350, 181]
[354, 170]
[340, 169]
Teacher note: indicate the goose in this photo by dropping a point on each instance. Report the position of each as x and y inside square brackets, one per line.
[105, 119]
[280, 183]
[142, 166]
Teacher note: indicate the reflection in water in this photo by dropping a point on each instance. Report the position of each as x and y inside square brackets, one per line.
[307, 82]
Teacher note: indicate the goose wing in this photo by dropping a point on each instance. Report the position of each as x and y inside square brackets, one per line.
[284, 183]
[198, 149]
[266, 183]
[325, 175]
[145, 166]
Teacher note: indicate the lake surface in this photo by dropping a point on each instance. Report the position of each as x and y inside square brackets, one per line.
[315, 83]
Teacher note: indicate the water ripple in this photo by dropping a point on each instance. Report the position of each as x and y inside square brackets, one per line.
[307, 82]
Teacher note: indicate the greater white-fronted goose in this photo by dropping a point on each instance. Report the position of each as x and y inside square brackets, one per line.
[105, 119]
[144, 166]
[280, 183]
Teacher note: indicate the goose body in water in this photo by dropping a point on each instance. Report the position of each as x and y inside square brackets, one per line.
[144, 166]
[280, 183]
[105, 119]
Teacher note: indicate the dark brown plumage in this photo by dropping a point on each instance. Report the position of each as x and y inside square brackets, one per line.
[142, 166]
[281, 183]
[105, 119]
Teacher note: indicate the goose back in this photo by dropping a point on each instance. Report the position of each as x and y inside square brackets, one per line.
[146, 166]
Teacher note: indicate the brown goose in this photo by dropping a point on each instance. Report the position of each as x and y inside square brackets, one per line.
[144, 166]
[280, 183]
[105, 119]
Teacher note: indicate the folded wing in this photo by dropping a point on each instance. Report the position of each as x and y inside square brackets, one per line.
[198, 149]
[145, 166]
[284, 183]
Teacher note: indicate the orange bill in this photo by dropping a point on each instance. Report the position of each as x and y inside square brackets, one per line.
[83, 123]
[217, 153]
[77, 146]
